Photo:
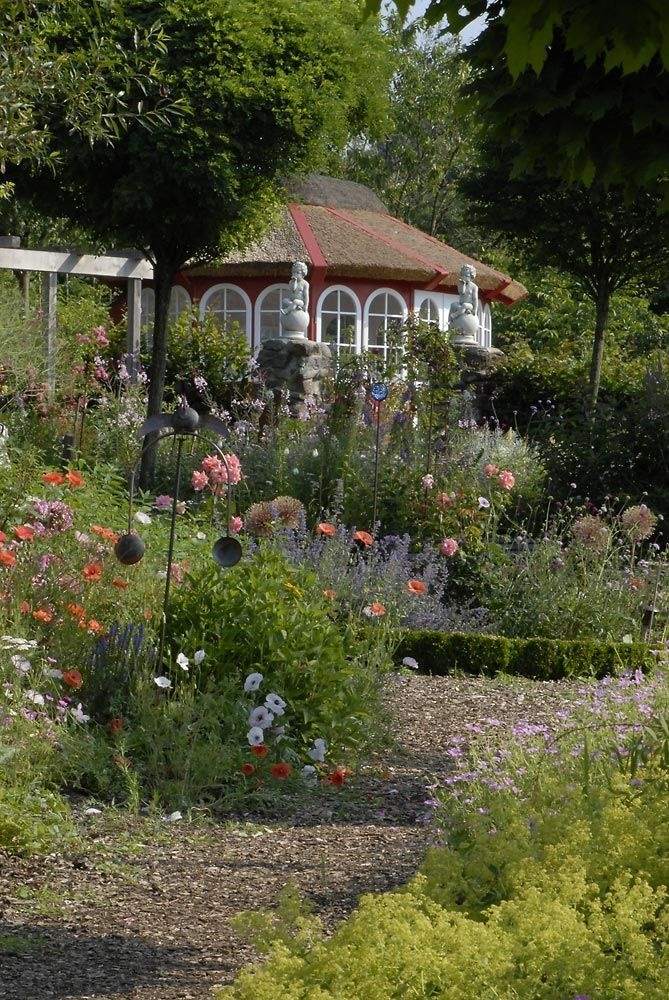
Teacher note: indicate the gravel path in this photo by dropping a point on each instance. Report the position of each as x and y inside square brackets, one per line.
[151, 921]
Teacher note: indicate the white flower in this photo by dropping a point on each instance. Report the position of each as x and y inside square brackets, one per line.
[409, 661]
[253, 682]
[308, 774]
[255, 736]
[183, 661]
[18, 645]
[275, 704]
[314, 453]
[56, 673]
[296, 471]
[142, 517]
[79, 714]
[198, 657]
[162, 682]
[201, 537]
[35, 697]
[21, 664]
[261, 718]
[92, 811]
[483, 503]
[317, 752]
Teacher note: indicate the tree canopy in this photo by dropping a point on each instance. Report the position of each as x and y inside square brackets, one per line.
[582, 85]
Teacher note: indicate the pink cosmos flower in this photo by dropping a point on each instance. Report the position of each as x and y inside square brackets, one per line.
[449, 547]
[506, 480]
[200, 480]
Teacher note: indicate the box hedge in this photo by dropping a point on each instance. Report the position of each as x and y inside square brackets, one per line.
[539, 659]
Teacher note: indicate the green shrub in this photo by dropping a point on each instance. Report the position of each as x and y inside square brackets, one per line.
[540, 659]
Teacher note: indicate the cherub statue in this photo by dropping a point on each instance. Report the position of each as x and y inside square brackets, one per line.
[462, 316]
[295, 307]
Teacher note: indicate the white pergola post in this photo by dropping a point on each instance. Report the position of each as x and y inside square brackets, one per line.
[134, 267]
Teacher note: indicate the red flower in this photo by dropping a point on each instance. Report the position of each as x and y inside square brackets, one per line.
[53, 478]
[281, 770]
[94, 627]
[24, 532]
[121, 584]
[363, 537]
[72, 678]
[106, 533]
[247, 769]
[260, 750]
[43, 616]
[325, 528]
[416, 587]
[116, 724]
[330, 594]
[374, 610]
[92, 571]
[337, 777]
[76, 610]
[7, 558]
[3, 537]
[74, 478]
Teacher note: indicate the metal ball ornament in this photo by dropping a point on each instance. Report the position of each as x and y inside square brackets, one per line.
[227, 551]
[129, 549]
[185, 420]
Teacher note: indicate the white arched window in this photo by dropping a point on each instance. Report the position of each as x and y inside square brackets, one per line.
[148, 307]
[338, 320]
[485, 336]
[430, 311]
[179, 303]
[384, 311]
[268, 313]
[229, 305]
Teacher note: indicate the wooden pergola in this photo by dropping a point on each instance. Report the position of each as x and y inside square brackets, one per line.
[131, 266]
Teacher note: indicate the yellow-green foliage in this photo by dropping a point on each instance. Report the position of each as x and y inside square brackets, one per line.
[550, 899]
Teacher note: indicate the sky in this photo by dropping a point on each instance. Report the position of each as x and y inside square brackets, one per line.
[470, 32]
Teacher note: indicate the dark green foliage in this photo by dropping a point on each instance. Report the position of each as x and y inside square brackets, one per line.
[539, 659]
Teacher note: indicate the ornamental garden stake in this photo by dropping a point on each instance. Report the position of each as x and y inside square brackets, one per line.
[185, 424]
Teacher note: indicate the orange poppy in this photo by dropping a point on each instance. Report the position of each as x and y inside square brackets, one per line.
[363, 537]
[416, 587]
[76, 609]
[116, 725]
[247, 769]
[121, 584]
[74, 478]
[53, 478]
[72, 678]
[3, 537]
[325, 528]
[330, 594]
[92, 571]
[281, 770]
[106, 533]
[377, 609]
[94, 627]
[7, 558]
[260, 750]
[336, 777]
[24, 532]
[42, 615]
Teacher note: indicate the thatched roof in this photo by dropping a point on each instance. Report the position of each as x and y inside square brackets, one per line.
[344, 231]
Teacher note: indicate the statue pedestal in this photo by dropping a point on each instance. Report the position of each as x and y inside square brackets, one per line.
[296, 366]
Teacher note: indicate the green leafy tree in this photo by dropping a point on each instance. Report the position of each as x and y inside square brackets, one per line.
[582, 85]
[429, 141]
[266, 89]
[593, 234]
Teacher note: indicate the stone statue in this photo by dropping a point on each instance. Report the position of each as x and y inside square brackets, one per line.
[295, 307]
[462, 316]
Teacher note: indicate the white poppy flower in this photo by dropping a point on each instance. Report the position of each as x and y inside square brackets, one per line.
[173, 817]
[253, 682]
[21, 664]
[261, 717]
[255, 736]
[142, 517]
[275, 703]
[183, 661]
[79, 714]
[35, 697]
[308, 774]
[162, 682]
[317, 752]
[198, 657]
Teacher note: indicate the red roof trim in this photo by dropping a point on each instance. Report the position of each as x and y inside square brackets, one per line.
[308, 237]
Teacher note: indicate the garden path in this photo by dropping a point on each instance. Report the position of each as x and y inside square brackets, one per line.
[145, 913]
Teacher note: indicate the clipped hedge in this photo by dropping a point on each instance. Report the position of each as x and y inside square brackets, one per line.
[539, 659]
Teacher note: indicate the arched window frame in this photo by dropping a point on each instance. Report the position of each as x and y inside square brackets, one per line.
[346, 290]
[228, 287]
[486, 326]
[180, 302]
[257, 325]
[368, 304]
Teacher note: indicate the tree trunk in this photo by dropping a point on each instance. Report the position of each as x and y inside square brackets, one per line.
[602, 303]
[163, 277]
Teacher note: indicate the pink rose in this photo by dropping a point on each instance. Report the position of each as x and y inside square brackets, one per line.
[200, 480]
[449, 547]
[506, 480]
